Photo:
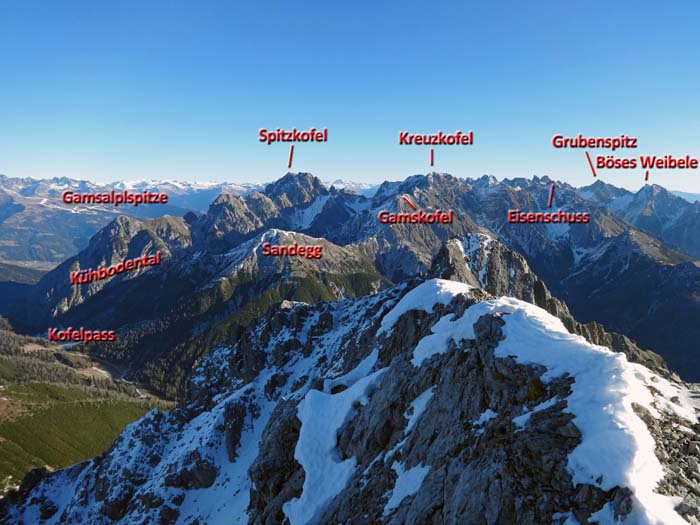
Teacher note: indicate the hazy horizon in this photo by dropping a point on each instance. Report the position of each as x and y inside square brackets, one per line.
[162, 90]
[330, 180]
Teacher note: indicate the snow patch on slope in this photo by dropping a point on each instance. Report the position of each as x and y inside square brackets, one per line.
[477, 248]
[445, 330]
[408, 482]
[417, 408]
[424, 297]
[321, 417]
[304, 218]
[361, 370]
[485, 416]
[521, 421]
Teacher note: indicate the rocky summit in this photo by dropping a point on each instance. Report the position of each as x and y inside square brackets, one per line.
[432, 401]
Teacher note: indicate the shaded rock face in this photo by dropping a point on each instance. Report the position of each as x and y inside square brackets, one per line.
[195, 473]
[231, 219]
[676, 445]
[276, 475]
[345, 426]
[123, 238]
[473, 467]
[234, 419]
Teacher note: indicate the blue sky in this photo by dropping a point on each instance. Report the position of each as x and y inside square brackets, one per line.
[180, 89]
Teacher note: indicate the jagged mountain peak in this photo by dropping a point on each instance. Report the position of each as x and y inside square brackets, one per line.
[116, 235]
[655, 209]
[486, 180]
[426, 181]
[438, 179]
[227, 198]
[295, 189]
[438, 176]
[121, 227]
[602, 192]
[656, 190]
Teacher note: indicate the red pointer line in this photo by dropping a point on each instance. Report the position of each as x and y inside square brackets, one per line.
[409, 202]
[291, 154]
[551, 196]
[590, 164]
[432, 157]
[646, 177]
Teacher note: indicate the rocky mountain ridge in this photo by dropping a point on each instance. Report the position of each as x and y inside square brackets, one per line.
[654, 209]
[168, 317]
[36, 226]
[581, 264]
[427, 402]
[318, 391]
[568, 258]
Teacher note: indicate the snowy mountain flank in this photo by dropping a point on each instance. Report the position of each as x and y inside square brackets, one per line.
[672, 217]
[608, 270]
[471, 372]
[430, 402]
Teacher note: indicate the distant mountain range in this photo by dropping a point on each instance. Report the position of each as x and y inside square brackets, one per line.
[608, 270]
[690, 197]
[37, 228]
[669, 217]
[475, 367]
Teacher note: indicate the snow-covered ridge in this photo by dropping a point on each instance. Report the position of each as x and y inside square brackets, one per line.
[318, 374]
[250, 254]
[605, 388]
